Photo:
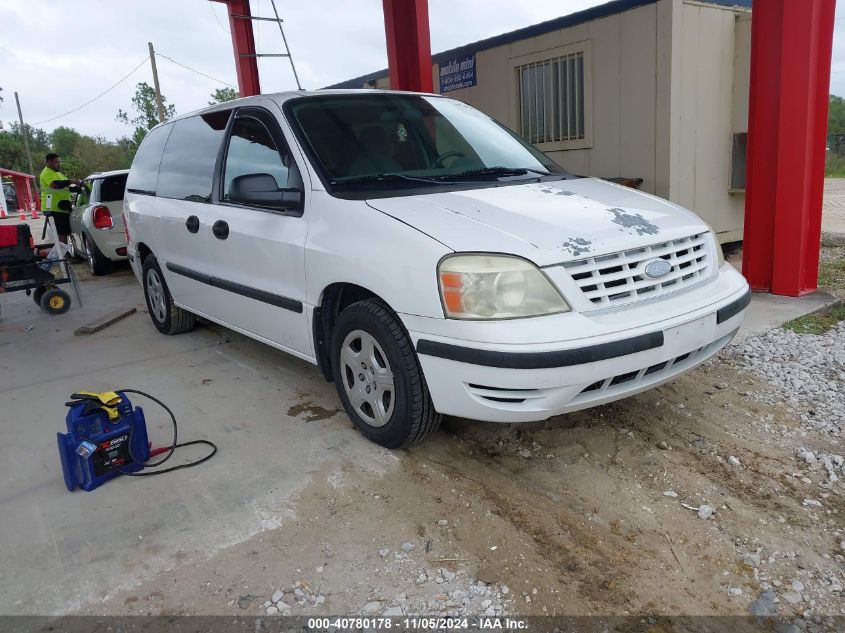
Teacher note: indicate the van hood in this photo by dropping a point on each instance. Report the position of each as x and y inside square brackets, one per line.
[548, 222]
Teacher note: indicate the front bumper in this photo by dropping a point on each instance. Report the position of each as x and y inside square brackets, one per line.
[526, 382]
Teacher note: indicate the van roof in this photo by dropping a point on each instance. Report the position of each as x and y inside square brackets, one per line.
[105, 174]
[282, 97]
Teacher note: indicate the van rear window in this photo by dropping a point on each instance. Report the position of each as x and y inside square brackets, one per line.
[112, 188]
[187, 166]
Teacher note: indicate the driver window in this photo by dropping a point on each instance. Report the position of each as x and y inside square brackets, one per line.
[449, 144]
[83, 196]
[252, 150]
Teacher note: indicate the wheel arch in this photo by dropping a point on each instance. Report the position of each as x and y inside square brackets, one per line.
[144, 251]
[333, 300]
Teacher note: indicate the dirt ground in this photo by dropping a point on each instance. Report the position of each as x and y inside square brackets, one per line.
[583, 514]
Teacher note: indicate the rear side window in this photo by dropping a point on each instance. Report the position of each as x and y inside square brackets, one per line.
[144, 173]
[112, 188]
[187, 166]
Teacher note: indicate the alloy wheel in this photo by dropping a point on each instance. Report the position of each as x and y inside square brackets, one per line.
[89, 255]
[155, 294]
[367, 378]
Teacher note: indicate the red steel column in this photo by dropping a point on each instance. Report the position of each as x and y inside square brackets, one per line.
[246, 63]
[408, 44]
[791, 46]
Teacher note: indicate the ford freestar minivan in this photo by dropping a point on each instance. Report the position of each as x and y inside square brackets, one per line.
[425, 257]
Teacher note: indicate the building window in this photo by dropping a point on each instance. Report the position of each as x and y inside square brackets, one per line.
[552, 99]
[738, 161]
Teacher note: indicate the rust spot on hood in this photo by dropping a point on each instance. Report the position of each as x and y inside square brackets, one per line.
[576, 246]
[634, 221]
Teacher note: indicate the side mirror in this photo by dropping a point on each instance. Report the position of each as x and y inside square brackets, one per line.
[262, 190]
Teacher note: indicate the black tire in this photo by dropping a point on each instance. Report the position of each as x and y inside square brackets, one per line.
[413, 416]
[55, 301]
[168, 318]
[38, 293]
[98, 264]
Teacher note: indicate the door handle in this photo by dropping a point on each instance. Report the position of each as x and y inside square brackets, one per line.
[220, 230]
[193, 224]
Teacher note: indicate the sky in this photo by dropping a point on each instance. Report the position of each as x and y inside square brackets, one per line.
[60, 54]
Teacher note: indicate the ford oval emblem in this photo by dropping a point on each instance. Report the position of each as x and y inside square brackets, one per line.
[657, 268]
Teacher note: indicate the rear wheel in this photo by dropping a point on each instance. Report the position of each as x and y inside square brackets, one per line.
[55, 301]
[166, 315]
[72, 251]
[378, 377]
[98, 264]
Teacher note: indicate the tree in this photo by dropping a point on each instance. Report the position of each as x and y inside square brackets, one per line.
[63, 140]
[12, 153]
[836, 125]
[223, 94]
[146, 109]
[81, 154]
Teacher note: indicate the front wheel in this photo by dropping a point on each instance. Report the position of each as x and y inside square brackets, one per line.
[166, 315]
[378, 377]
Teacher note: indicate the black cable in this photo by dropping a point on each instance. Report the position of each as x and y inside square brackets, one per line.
[120, 81]
[172, 448]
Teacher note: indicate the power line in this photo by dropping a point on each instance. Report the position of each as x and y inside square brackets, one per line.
[219, 23]
[194, 70]
[105, 92]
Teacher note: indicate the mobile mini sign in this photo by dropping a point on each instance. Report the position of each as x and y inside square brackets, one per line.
[457, 74]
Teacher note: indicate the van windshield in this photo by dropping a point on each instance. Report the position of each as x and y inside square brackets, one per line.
[411, 141]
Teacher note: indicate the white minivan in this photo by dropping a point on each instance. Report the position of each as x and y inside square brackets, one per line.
[430, 261]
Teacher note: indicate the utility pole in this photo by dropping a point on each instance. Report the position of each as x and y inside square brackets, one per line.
[155, 84]
[25, 139]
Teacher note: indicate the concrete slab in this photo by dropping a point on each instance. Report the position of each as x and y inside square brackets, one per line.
[833, 215]
[221, 386]
[770, 311]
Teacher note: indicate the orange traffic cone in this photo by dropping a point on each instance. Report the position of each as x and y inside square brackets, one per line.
[22, 215]
[34, 214]
[2, 212]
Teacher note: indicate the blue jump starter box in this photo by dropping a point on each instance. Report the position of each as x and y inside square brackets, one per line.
[97, 448]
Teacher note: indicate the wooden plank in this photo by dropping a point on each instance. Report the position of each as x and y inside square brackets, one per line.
[105, 321]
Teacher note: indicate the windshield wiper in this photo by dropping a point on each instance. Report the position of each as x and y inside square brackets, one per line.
[495, 172]
[385, 178]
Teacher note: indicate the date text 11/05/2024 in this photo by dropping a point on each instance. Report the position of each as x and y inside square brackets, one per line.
[421, 623]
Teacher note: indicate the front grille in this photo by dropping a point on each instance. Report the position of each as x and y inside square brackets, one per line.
[619, 278]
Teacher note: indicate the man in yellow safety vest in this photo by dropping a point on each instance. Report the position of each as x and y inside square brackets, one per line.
[55, 195]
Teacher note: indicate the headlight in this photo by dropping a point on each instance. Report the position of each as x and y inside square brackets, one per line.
[495, 287]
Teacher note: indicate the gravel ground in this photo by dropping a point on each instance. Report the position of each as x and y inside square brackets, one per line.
[805, 371]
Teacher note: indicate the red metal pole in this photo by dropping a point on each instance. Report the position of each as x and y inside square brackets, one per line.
[29, 193]
[791, 46]
[408, 44]
[246, 63]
